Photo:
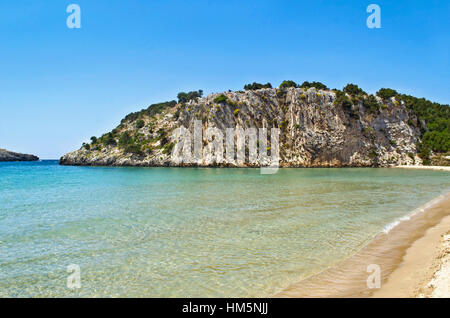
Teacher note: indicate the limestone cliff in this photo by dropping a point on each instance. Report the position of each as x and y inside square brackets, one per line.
[318, 128]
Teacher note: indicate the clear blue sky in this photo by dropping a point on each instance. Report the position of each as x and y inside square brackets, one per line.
[60, 86]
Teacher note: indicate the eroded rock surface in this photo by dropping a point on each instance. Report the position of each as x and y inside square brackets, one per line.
[314, 130]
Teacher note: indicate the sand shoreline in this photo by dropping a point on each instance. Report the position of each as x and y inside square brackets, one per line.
[425, 269]
[441, 168]
[410, 256]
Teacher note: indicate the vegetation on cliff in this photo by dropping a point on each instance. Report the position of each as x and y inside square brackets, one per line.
[255, 86]
[434, 121]
[186, 97]
[147, 132]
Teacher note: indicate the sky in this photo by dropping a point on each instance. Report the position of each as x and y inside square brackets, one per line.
[60, 86]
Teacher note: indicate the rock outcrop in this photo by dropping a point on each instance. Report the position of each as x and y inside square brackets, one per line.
[316, 130]
[6, 155]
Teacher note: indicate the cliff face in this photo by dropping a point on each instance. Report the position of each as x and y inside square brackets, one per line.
[315, 130]
[14, 156]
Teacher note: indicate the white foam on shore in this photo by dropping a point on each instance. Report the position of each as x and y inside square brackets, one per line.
[420, 209]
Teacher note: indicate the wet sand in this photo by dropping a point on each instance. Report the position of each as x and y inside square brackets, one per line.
[408, 256]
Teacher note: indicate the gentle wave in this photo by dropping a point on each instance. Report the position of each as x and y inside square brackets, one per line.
[415, 212]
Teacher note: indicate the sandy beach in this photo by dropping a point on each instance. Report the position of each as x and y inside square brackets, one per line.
[441, 168]
[425, 269]
[414, 257]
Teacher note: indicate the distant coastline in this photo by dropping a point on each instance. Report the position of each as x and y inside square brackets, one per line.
[9, 156]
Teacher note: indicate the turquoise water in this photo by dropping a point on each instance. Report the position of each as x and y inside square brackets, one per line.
[166, 232]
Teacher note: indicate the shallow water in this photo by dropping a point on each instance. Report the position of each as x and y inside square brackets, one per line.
[191, 232]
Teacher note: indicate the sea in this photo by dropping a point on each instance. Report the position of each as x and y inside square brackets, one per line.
[192, 232]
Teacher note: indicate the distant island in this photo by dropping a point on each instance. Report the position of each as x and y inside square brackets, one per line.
[319, 127]
[6, 155]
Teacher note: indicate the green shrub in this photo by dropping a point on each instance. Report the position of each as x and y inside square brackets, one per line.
[221, 99]
[439, 141]
[140, 123]
[371, 104]
[281, 93]
[369, 132]
[168, 148]
[386, 93]
[186, 97]
[150, 111]
[343, 101]
[130, 144]
[134, 149]
[108, 139]
[125, 139]
[424, 154]
[286, 84]
[256, 86]
[436, 134]
[163, 136]
[353, 89]
[317, 85]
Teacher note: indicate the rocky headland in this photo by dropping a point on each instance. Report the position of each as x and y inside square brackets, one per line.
[319, 127]
[6, 155]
